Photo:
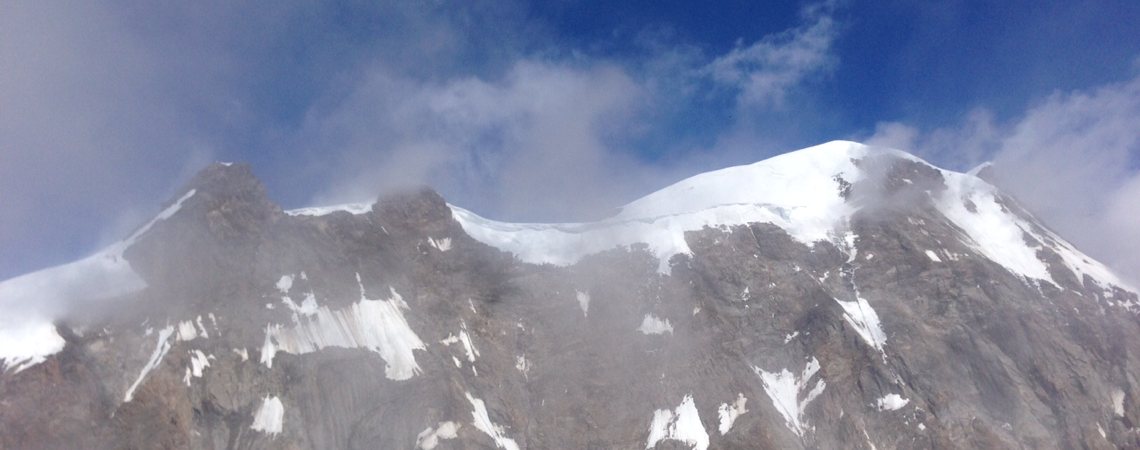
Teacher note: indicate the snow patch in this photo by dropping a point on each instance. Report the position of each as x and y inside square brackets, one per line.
[482, 421]
[891, 402]
[308, 306]
[789, 393]
[23, 345]
[1118, 402]
[933, 256]
[430, 437]
[681, 424]
[284, 284]
[376, 325]
[198, 363]
[270, 417]
[189, 330]
[651, 324]
[522, 365]
[729, 412]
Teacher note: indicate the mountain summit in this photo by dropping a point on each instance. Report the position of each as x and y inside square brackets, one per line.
[839, 296]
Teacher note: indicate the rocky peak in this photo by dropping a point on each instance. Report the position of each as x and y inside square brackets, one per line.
[419, 210]
[222, 216]
[231, 200]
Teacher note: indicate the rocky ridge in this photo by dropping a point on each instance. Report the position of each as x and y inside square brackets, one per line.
[887, 318]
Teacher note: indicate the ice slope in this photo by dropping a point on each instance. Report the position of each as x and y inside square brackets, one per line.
[26, 339]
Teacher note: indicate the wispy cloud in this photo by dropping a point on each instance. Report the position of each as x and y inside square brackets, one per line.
[537, 141]
[765, 70]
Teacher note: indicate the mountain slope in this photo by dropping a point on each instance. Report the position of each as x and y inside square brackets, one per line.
[840, 296]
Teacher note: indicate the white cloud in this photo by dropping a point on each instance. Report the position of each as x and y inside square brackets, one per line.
[1072, 159]
[766, 70]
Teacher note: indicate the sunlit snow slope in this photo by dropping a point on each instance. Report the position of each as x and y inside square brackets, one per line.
[796, 191]
[801, 192]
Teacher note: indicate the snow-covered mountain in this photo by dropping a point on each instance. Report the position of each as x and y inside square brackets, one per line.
[839, 296]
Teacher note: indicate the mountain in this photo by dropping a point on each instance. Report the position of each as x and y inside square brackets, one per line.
[839, 296]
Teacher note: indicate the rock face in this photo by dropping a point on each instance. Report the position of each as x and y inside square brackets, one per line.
[910, 324]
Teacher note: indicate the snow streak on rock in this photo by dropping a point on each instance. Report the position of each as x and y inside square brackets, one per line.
[681, 424]
[376, 325]
[465, 339]
[482, 421]
[583, 302]
[865, 321]
[270, 417]
[788, 393]
[160, 350]
[442, 245]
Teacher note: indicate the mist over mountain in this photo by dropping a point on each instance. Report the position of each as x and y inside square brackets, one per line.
[838, 296]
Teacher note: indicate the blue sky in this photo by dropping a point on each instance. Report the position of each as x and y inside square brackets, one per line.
[553, 110]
